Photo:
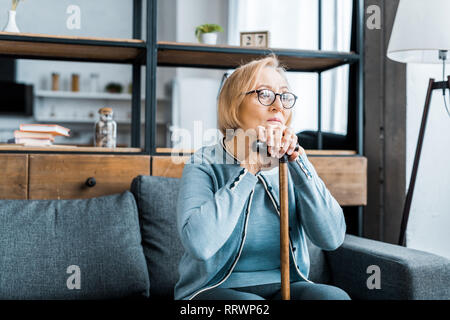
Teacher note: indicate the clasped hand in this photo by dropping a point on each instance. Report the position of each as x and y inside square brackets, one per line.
[280, 140]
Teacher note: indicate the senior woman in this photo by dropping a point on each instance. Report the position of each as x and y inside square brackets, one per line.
[228, 207]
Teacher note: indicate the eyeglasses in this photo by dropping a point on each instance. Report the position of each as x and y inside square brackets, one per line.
[267, 97]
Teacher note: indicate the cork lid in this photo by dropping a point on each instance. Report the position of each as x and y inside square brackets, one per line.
[105, 110]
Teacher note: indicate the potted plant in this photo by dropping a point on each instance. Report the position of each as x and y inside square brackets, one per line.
[113, 87]
[207, 33]
[11, 25]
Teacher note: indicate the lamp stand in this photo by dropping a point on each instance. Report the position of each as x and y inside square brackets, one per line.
[432, 85]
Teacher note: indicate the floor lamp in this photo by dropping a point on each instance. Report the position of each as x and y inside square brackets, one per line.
[420, 35]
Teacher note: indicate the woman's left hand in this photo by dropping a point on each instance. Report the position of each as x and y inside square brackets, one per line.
[280, 140]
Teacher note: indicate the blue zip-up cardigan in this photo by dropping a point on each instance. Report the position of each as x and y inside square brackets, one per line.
[212, 213]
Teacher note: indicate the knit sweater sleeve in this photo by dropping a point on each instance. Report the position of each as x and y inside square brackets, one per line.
[207, 215]
[320, 214]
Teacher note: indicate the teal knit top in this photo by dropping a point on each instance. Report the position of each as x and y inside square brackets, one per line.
[259, 262]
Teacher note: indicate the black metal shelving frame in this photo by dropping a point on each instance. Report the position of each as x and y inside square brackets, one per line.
[148, 56]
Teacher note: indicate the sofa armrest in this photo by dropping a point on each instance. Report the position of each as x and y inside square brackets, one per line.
[404, 273]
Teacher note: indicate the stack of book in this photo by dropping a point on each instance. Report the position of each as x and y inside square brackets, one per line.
[39, 135]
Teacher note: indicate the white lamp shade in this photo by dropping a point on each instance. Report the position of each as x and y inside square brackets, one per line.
[421, 28]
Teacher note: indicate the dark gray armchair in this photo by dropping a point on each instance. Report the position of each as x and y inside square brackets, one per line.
[404, 273]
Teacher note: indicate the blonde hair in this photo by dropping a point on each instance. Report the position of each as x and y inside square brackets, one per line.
[243, 79]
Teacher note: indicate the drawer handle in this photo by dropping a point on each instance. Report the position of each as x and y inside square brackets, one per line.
[90, 182]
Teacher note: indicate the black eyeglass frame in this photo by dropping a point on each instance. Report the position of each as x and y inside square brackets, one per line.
[275, 97]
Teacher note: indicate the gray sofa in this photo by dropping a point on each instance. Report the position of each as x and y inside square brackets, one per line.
[126, 245]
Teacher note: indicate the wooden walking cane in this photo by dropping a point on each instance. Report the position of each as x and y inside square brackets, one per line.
[284, 223]
[284, 228]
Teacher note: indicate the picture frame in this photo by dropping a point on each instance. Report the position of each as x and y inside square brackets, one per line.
[259, 39]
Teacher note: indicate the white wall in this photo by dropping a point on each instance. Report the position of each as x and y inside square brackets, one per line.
[429, 221]
[100, 18]
[194, 95]
[177, 20]
[193, 13]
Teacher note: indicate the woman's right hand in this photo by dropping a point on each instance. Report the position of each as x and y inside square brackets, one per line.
[280, 140]
[256, 161]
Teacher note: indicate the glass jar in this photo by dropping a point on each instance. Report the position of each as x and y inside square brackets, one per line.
[105, 129]
[95, 85]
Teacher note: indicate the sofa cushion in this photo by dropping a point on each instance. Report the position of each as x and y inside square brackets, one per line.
[71, 249]
[156, 200]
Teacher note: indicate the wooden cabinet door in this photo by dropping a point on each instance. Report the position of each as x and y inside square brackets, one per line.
[345, 178]
[66, 176]
[13, 176]
[168, 166]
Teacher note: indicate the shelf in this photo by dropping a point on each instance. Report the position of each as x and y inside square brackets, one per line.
[229, 57]
[86, 121]
[70, 48]
[83, 95]
[66, 148]
[42, 46]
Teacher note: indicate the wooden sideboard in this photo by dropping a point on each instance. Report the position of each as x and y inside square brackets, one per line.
[68, 176]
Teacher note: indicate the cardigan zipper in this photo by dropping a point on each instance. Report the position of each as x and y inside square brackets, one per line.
[239, 253]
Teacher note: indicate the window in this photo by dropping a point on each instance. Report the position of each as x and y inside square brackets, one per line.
[294, 24]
